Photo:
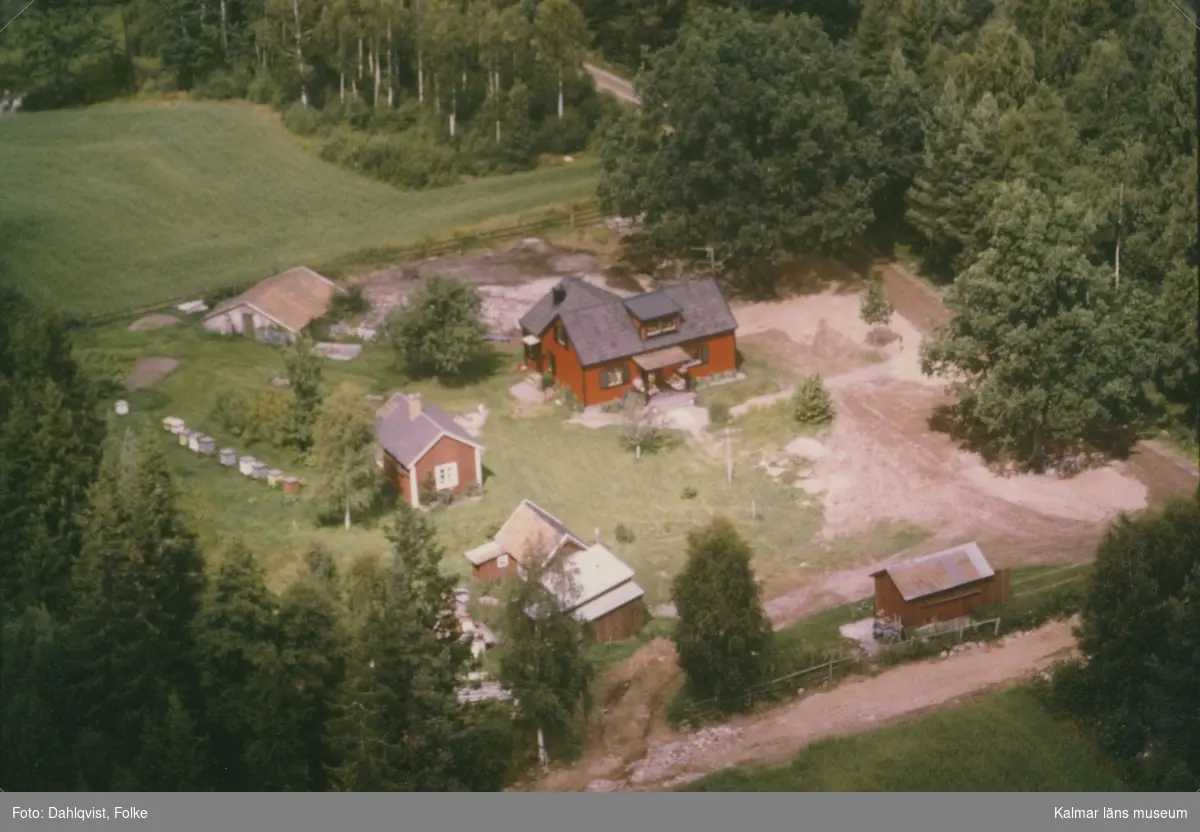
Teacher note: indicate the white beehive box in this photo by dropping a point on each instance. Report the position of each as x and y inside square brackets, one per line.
[246, 465]
[122, 407]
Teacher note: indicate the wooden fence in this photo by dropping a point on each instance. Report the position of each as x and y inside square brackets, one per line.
[575, 215]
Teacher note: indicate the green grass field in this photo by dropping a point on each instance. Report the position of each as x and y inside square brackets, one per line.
[128, 204]
[1002, 742]
[583, 475]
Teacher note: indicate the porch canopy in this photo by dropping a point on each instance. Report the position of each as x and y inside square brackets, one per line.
[666, 357]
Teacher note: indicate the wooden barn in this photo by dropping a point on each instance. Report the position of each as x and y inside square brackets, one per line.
[940, 587]
[601, 593]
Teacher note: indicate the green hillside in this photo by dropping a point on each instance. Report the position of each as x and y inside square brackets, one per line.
[125, 205]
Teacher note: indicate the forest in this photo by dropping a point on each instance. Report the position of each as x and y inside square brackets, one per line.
[1039, 161]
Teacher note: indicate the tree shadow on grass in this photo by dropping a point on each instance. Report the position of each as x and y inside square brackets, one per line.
[481, 367]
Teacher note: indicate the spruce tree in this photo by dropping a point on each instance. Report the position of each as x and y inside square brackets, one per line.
[304, 374]
[237, 622]
[174, 756]
[722, 635]
[135, 596]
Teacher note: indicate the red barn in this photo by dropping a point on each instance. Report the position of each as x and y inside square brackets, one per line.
[421, 445]
[939, 587]
[601, 345]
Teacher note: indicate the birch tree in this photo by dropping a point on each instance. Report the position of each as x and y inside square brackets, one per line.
[343, 453]
[560, 37]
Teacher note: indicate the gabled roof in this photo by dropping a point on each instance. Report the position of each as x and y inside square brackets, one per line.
[408, 439]
[938, 572]
[594, 573]
[652, 305]
[601, 328]
[530, 528]
[293, 299]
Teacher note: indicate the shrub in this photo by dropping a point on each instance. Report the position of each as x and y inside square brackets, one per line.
[623, 533]
[811, 404]
[301, 120]
[547, 380]
[348, 304]
[562, 136]
[718, 413]
[689, 493]
[264, 90]
[223, 85]
[229, 411]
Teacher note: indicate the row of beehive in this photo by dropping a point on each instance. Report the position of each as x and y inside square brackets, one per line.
[248, 466]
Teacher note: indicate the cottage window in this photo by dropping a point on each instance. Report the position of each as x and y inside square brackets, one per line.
[446, 476]
[502, 562]
[560, 333]
[614, 377]
[662, 327]
[699, 354]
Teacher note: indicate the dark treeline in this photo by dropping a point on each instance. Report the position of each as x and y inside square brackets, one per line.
[1040, 156]
[128, 664]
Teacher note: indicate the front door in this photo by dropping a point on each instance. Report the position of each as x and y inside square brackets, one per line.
[248, 325]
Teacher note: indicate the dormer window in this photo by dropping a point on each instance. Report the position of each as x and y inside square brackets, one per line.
[662, 326]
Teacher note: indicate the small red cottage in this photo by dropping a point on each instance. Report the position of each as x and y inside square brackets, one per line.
[601, 345]
[421, 446]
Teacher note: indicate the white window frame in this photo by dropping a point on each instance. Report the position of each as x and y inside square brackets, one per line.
[662, 327]
[445, 477]
[620, 372]
[502, 562]
[700, 354]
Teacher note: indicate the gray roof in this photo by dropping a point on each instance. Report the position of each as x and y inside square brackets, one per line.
[652, 305]
[407, 439]
[939, 572]
[600, 328]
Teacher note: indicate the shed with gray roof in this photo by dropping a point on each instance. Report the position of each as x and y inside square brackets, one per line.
[942, 586]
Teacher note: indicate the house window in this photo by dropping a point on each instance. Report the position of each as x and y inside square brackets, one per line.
[662, 327]
[502, 562]
[699, 354]
[614, 377]
[560, 333]
[446, 476]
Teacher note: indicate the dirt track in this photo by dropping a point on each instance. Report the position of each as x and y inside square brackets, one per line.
[852, 707]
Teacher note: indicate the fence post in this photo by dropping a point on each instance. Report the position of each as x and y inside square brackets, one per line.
[996, 632]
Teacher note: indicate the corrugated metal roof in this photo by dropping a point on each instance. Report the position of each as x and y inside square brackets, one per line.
[609, 601]
[593, 572]
[939, 572]
[487, 552]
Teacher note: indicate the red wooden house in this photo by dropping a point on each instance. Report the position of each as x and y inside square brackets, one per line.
[422, 446]
[601, 345]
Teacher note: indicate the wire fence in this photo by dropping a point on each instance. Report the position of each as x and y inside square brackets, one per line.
[572, 216]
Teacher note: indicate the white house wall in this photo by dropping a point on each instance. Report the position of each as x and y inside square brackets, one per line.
[231, 321]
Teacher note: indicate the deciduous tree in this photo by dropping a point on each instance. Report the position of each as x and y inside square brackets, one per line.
[343, 452]
[440, 332]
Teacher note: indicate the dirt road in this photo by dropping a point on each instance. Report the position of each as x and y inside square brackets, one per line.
[612, 84]
[856, 706]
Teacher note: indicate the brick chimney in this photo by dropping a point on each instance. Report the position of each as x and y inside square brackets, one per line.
[559, 293]
[414, 406]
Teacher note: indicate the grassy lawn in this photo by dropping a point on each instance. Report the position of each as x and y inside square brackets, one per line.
[998, 743]
[582, 475]
[127, 204]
